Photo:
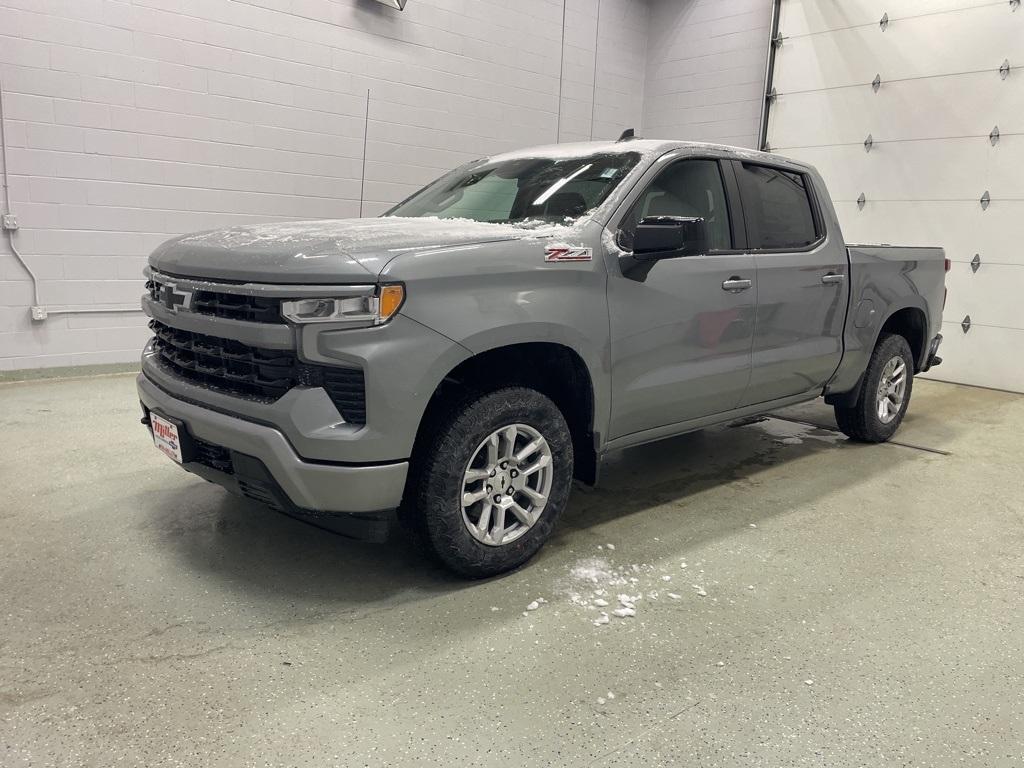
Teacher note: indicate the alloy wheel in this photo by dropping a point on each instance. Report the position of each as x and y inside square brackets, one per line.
[506, 484]
[892, 389]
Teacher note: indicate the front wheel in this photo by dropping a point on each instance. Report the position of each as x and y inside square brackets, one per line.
[493, 481]
[884, 393]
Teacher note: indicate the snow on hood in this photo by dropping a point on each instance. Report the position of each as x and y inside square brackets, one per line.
[357, 235]
[331, 250]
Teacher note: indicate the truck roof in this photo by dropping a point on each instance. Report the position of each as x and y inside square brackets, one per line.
[646, 147]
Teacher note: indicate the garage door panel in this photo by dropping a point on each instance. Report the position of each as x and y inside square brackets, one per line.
[931, 159]
[1005, 169]
[948, 169]
[984, 357]
[801, 17]
[899, 111]
[962, 228]
[991, 296]
[984, 37]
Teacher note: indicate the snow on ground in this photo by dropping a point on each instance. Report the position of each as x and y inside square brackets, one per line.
[608, 591]
[605, 591]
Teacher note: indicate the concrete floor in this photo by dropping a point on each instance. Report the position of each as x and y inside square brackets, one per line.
[863, 606]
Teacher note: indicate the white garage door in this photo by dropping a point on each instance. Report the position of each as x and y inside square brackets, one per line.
[930, 159]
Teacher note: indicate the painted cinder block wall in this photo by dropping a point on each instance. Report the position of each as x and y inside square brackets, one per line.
[705, 69]
[131, 121]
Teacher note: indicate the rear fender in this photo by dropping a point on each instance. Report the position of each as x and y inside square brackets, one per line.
[861, 342]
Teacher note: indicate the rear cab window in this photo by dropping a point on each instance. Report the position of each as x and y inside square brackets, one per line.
[778, 208]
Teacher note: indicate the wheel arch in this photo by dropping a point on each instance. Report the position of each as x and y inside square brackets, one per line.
[910, 322]
[556, 370]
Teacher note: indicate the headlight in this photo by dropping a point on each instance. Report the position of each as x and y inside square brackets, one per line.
[369, 308]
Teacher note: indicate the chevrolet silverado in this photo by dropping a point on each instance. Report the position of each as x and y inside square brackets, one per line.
[455, 363]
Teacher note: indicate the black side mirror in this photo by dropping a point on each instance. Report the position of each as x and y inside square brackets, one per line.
[668, 237]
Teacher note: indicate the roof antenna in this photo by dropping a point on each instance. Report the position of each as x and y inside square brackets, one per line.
[627, 135]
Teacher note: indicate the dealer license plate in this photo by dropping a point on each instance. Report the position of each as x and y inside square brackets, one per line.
[165, 436]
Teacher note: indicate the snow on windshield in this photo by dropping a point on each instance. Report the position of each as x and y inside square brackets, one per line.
[520, 190]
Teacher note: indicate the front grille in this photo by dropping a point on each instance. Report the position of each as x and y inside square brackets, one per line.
[228, 366]
[225, 364]
[234, 306]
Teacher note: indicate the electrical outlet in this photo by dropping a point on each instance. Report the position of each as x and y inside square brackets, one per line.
[38, 313]
[10, 222]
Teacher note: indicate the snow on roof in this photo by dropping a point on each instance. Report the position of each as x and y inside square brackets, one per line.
[582, 149]
[646, 147]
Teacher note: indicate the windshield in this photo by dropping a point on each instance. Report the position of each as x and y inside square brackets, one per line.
[524, 189]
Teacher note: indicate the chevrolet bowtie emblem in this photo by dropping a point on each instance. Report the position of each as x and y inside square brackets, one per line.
[175, 299]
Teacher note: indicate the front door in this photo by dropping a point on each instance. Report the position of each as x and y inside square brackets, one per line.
[801, 284]
[681, 332]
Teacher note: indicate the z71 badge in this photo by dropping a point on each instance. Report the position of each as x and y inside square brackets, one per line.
[565, 253]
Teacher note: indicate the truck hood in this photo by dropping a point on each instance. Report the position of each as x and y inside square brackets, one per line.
[327, 251]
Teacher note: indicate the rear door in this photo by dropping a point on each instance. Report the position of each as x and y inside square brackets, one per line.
[802, 276]
[681, 331]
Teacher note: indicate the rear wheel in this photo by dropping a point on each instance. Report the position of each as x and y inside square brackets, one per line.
[493, 481]
[884, 393]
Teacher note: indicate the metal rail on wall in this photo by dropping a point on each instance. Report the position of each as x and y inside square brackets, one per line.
[774, 41]
[10, 225]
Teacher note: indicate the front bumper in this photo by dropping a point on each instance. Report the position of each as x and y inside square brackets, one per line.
[264, 466]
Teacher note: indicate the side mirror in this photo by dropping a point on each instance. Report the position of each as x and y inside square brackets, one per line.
[668, 237]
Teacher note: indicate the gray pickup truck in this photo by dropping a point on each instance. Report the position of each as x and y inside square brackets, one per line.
[455, 363]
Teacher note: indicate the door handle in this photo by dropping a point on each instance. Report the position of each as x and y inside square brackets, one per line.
[832, 277]
[735, 284]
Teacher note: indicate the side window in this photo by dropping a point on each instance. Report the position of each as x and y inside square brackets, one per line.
[687, 188]
[777, 207]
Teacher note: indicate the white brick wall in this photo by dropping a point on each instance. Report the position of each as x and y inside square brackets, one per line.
[620, 68]
[131, 121]
[705, 69]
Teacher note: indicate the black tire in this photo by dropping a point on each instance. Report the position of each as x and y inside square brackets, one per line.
[438, 482]
[861, 421]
